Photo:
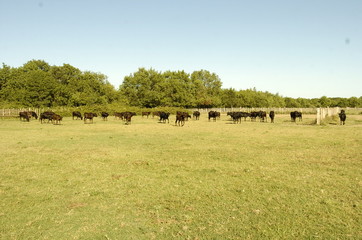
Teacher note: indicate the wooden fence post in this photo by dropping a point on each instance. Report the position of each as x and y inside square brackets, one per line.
[318, 116]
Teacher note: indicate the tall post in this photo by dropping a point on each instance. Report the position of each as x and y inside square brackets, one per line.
[318, 116]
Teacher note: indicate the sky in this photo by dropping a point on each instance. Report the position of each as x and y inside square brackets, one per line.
[296, 48]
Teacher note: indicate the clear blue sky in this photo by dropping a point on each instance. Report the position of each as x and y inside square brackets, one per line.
[297, 48]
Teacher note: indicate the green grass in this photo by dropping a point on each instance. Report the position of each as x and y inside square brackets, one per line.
[206, 180]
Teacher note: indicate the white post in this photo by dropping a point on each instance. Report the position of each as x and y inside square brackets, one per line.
[318, 116]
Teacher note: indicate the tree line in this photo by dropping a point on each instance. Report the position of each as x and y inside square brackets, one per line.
[38, 84]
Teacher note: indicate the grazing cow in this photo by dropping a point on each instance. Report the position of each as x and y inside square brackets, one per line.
[146, 114]
[196, 114]
[236, 116]
[214, 115]
[118, 115]
[24, 116]
[104, 116]
[342, 117]
[164, 116]
[128, 116]
[272, 115]
[156, 114]
[77, 114]
[294, 115]
[46, 115]
[181, 117]
[56, 119]
[89, 116]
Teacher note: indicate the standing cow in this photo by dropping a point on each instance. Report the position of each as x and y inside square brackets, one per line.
[104, 116]
[77, 115]
[342, 117]
[196, 114]
[89, 116]
[272, 115]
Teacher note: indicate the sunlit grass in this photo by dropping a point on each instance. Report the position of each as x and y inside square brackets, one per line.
[206, 180]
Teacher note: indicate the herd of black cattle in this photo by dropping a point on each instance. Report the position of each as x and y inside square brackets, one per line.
[181, 117]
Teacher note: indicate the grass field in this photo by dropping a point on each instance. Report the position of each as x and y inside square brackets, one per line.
[206, 180]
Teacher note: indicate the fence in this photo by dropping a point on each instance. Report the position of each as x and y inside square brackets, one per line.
[243, 109]
[322, 113]
[14, 112]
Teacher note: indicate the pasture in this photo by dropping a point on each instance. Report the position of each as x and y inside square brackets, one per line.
[206, 180]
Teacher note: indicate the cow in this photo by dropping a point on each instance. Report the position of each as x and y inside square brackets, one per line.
[46, 115]
[253, 116]
[196, 114]
[342, 117]
[214, 115]
[164, 116]
[272, 115]
[56, 119]
[181, 117]
[24, 116]
[146, 114]
[104, 116]
[118, 115]
[89, 116]
[32, 114]
[236, 116]
[128, 116]
[262, 116]
[245, 115]
[77, 114]
[294, 115]
[157, 113]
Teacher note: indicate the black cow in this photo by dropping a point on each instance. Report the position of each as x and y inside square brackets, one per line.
[104, 116]
[262, 116]
[32, 114]
[181, 117]
[236, 116]
[196, 114]
[164, 116]
[342, 117]
[46, 115]
[127, 116]
[253, 116]
[89, 116]
[56, 119]
[24, 116]
[77, 114]
[294, 115]
[272, 115]
[214, 115]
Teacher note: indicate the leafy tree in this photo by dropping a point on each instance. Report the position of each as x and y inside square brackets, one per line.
[207, 88]
[142, 88]
[229, 98]
[40, 88]
[177, 89]
[324, 102]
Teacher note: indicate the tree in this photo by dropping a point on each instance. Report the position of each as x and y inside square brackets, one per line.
[143, 88]
[324, 102]
[207, 88]
[177, 89]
